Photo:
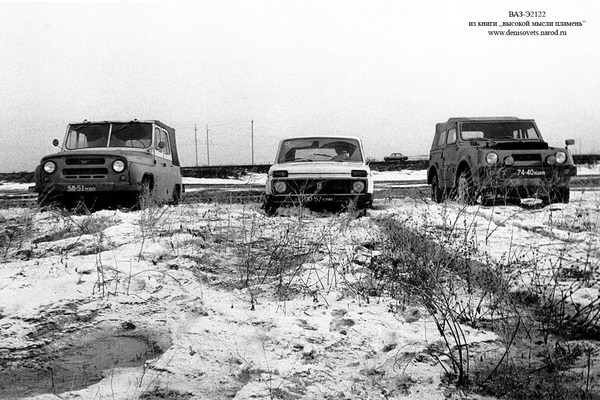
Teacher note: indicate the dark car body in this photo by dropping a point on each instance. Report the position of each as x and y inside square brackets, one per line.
[111, 161]
[497, 158]
[395, 157]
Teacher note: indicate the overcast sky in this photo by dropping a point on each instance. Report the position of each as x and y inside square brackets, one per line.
[385, 71]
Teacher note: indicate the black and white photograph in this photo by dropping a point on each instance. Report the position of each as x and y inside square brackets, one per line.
[299, 199]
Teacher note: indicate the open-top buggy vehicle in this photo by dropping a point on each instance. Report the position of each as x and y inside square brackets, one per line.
[321, 170]
[111, 162]
[502, 158]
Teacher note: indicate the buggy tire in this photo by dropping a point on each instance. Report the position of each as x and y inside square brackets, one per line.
[437, 193]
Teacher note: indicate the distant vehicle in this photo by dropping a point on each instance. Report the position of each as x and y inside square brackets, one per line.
[395, 157]
[497, 158]
[111, 161]
[319, 169]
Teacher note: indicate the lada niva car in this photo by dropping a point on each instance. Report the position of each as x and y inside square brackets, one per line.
[491, 159]
[320, 169]
[124, 162]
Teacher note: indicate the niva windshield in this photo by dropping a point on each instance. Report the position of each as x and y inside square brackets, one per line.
[93, 135]
[499, 130]
[319, 149]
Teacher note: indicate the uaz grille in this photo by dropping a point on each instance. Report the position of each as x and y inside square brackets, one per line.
[85, 161]
[85, 173]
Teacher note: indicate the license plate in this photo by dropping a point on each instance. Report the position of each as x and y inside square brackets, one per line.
[317, 199]
[81, 188]
[530, 172]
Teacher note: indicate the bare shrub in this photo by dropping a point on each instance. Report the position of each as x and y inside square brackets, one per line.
[70, 225]
[282, 255]
[455, 288]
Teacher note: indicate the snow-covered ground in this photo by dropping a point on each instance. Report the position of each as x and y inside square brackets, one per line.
[404, 176]
[193, 280]
[260, 179]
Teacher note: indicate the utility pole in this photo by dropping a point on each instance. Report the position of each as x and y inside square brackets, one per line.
[252, 133]
[196, 141]
[207, 148]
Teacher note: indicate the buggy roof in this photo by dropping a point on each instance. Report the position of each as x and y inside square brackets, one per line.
[452, 122]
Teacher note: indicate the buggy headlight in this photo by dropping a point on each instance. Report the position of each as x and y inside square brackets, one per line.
[358, 186]
[279, 186]
[491, 158]
[118, 166]
[49, 167]
[561, 157]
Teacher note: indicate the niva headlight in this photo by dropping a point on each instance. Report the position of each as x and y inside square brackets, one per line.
[279, 187]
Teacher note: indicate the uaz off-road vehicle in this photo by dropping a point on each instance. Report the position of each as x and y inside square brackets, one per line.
[111, 162]
[497, 158]
[319, 170]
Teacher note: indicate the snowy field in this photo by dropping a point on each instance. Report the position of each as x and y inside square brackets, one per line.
[224, 302]
[254, 179]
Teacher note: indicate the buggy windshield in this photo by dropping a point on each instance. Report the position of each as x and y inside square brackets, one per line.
[499, 130]
[106, 134]
[319, 149]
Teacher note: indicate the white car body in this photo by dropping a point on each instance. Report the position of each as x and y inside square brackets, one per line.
[314, 169]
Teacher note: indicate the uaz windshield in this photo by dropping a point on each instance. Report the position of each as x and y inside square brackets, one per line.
[319, 149]
[91, 135]
[499, 130]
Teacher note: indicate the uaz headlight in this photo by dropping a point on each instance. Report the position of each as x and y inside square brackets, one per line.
[49, 167]
[118, 166]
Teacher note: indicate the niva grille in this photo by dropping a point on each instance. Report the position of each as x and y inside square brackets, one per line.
[301, 186]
